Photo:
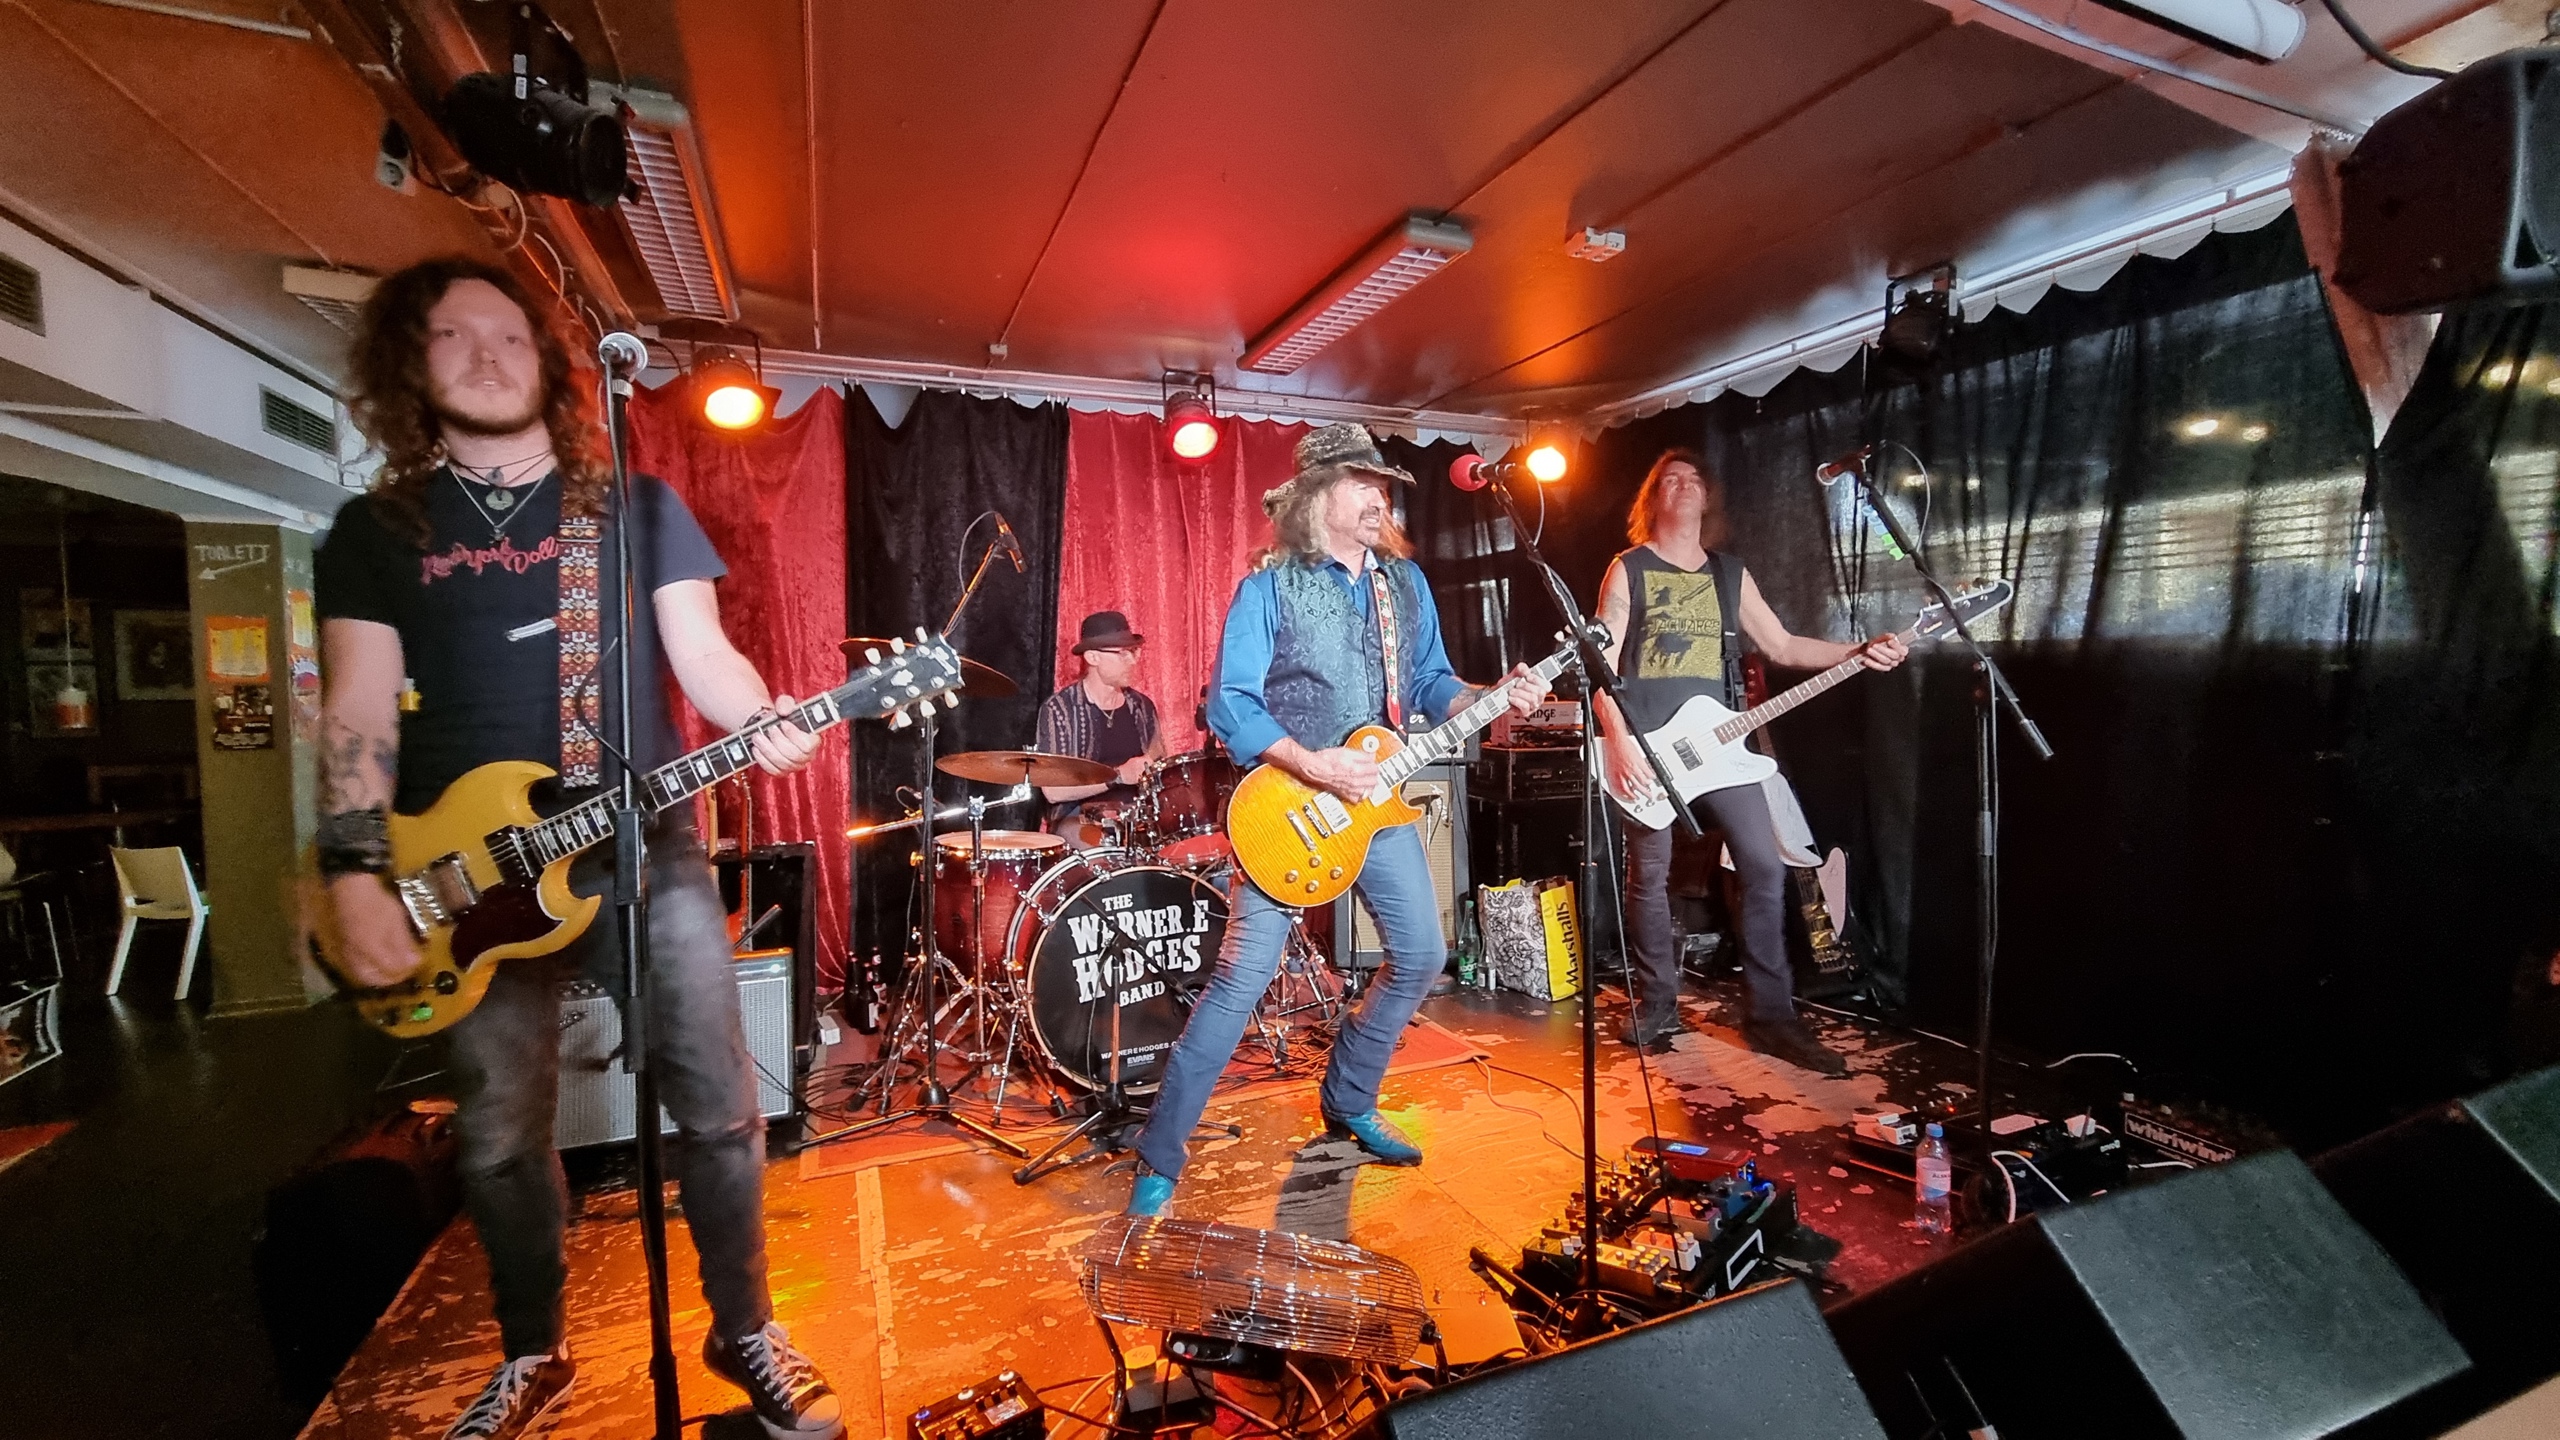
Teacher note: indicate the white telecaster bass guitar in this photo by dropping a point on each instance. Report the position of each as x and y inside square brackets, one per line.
[1702, 745]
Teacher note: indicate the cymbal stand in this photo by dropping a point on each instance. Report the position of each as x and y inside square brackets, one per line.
[1303, 969]
[1114, 1114]
[932, 1099]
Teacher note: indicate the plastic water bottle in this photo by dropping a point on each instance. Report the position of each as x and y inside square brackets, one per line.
[1934, 1178]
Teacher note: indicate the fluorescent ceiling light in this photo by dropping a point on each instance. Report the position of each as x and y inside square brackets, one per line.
[2262, 30]
[333, 295]
[1402, 258]
[672, 226]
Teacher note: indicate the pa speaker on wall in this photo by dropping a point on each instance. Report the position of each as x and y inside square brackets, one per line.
[2235, 1300]
[1758, 1364]
[2466, 1197]
[2454, 198]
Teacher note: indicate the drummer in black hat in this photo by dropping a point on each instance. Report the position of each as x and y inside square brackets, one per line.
[1100, 717]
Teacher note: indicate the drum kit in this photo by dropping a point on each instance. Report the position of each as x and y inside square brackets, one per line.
[1071, 965]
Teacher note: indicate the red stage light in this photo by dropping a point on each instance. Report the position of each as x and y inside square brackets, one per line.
[1191, 429]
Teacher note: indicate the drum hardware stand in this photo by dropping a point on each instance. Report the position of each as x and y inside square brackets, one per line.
[1113, 1113]
[932, 1099]
[1302, 962]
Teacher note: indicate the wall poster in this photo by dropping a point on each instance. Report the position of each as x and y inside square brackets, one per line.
[235, 650]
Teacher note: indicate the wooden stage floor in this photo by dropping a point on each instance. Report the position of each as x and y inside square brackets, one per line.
[909, 1270]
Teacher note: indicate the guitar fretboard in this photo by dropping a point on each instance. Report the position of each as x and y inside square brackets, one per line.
[1449, 737]
[1777, 705]
[591, 822]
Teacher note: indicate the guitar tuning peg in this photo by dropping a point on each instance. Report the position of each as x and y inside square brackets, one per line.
[898, 719]
[950, 701]
[921, 637]
[871, 654]
[897, 645]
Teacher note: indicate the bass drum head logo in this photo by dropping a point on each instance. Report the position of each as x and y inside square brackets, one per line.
[1136, 944]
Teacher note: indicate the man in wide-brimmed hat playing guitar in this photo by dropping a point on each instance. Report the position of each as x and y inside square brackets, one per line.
[1333, 631]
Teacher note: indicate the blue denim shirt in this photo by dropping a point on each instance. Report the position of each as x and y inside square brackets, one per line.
[1237, 715]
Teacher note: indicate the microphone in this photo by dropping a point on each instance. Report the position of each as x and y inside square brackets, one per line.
[1012, 546]
[622, 354]
[1830, 471]
[1474, 472]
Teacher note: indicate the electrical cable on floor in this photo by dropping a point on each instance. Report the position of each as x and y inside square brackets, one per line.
[2059, 1192]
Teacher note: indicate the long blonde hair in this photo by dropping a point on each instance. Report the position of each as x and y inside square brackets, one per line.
[1297, 522]
[1644, 515]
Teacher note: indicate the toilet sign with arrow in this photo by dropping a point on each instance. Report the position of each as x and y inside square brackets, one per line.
[214, 561]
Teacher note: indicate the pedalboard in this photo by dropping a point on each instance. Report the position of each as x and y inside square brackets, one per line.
[1678, 1224]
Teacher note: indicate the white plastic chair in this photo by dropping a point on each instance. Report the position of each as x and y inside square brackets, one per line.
[157, 885]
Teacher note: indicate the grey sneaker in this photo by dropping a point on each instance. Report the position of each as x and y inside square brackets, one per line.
[791, 1398]
[517, 1398]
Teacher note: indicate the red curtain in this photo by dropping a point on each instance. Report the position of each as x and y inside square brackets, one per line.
[773, 505]
[1165, 543]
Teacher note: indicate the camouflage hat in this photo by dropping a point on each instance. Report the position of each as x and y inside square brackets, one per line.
[1327, 453]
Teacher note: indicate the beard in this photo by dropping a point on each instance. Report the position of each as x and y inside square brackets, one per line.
[486, 426]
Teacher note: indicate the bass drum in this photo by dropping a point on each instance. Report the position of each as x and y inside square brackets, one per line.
[1104, 934]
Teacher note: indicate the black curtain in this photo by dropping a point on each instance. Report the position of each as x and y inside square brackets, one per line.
[912, 492]
[2299, 831]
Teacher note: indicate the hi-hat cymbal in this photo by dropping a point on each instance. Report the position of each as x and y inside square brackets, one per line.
[1011, 767]
[977, 682]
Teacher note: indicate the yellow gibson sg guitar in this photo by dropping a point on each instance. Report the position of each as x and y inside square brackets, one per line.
[1304, 846]
[485, 879]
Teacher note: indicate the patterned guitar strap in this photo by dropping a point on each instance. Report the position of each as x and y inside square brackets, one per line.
[1385, 604]
[581, 756]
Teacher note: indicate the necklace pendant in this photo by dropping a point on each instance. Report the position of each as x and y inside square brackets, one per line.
[501, 500]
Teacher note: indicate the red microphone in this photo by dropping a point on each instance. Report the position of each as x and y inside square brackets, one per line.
[1474, 472]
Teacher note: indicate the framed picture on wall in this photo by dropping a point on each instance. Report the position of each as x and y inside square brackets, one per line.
[40, 628]
[155, 656]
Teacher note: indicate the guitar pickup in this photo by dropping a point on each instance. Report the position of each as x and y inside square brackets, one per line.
[1687, 752]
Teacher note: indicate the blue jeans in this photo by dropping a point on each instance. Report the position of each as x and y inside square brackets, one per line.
[1396, 886]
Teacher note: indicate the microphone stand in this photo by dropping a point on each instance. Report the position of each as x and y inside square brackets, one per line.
[1598, 675]
[631, 910]
[1990, 687]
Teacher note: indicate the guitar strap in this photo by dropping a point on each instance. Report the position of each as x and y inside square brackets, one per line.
[1729, 611]
[1382, 596]
[581, 756]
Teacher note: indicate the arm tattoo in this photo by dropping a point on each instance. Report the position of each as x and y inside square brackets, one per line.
[354, 767]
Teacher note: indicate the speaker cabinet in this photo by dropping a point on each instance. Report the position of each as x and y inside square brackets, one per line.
[1758, 1364]
[1441, 791]
[597, 1099]
[2466, 1197]
[772, 892]
[2454, 197]
[2236, 1300]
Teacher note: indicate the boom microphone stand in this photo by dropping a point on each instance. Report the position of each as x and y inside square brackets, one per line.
[1597, 673]
[1990, 686]
[623, 357]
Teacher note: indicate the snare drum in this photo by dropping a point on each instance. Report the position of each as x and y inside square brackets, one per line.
[1015, 859]
[1181, 811]
[1102, 932]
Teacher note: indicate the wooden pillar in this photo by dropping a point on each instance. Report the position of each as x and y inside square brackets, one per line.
[257, 743]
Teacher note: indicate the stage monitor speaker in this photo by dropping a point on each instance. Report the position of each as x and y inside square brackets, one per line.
[2454, 197]
[1758, 1364]
[596, 1094]
[2234, 1300]
[2466, 1197]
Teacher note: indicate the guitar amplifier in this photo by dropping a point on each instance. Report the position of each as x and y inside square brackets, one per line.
[1441, 791]
[596, 1092]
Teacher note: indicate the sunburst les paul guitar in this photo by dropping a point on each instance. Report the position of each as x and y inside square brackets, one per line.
[485, 879]
[1702, 741]
[1304, 846]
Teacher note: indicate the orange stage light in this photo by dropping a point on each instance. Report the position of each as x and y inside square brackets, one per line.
[1546, 464]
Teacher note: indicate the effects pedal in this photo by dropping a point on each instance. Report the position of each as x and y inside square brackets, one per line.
[1003, 1408]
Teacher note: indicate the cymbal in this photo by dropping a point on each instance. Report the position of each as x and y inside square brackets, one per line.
[1008, 767]
[977, 682]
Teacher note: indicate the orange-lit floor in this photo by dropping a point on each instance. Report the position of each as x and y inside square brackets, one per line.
[908, 1271]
